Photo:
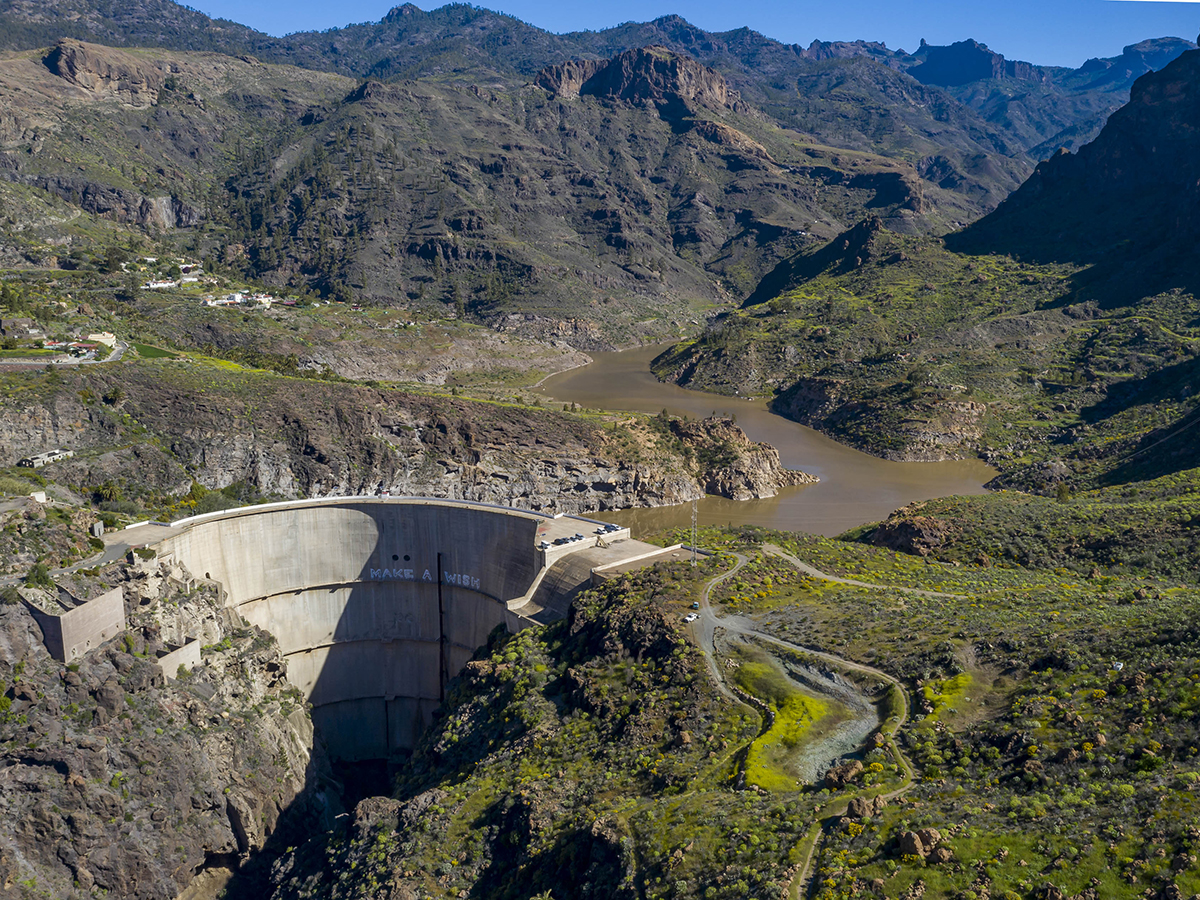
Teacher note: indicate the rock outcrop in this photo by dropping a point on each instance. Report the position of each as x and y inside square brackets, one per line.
[864, 807]
[117, 782]
[731, 464]
[300, 438]
[967, 61]
[105, 72]
[653, 74]
[925, 843]
[120, 204]
[843, 773]
[908, 532]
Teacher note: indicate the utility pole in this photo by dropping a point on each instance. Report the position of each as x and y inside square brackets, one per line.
[693, 532]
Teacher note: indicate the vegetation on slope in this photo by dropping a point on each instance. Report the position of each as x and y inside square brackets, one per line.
[897, 346]
[1052, 736]
[1143, 527]
[591, 758]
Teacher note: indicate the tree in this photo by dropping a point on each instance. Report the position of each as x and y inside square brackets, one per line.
[39, 576]
[113, 258]
[109, 491]
[131, 289]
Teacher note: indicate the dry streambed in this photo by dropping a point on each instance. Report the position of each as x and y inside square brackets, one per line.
[813, 715]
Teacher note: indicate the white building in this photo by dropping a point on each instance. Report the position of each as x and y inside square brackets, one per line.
[107, 338]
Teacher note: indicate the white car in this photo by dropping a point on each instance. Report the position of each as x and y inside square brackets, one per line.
[691, 617]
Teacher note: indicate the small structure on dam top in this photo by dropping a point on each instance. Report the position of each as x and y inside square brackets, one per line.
[377, 603]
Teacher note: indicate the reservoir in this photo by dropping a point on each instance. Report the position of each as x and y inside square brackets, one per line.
[855, 488]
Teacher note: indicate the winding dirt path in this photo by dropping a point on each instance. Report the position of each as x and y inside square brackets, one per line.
[804, 567]
[708, 625]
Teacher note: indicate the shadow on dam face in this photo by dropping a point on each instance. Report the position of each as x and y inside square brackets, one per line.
[376, 604]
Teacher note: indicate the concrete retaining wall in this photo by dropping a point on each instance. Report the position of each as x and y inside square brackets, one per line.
[73, 633]
[188, 656]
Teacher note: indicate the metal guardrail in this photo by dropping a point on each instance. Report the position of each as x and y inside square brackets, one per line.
[364, 498]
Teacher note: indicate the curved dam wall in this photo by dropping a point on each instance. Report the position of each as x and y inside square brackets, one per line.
[376, 604]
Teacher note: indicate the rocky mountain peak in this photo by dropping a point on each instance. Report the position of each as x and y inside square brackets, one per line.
[823, 50]
[652, 73]
[966, 61]
[402, 12]
[672, 20]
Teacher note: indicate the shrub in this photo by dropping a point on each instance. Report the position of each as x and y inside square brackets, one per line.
[39, 576]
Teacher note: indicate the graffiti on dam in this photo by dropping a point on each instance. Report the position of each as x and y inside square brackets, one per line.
[458, 578]
[468, 581]
[398, 575]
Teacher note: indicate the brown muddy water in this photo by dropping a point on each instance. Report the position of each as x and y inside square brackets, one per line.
[854, 489]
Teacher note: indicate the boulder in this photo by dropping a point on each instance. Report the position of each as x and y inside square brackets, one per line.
[111, 696]
[841, 775]
[863, 807]
[920, 842]
[941, 855]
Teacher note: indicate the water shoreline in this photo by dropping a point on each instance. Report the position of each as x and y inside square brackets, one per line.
[855, 488]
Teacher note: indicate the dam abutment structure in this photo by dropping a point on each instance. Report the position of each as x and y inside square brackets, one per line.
[378, 602]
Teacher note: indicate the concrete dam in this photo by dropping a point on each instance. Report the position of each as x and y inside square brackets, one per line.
[377, 603]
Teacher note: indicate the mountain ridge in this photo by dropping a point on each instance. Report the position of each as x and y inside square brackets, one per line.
[1056, 336]
[466, 43]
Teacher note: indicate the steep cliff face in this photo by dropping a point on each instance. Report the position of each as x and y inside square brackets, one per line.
[969, 60]
[1126, 195]
[653, 74]
[79, 119]
[731, 464]
[930, 430]
[299, 438]
[116, 782]
[1148, 145]
[105, 72]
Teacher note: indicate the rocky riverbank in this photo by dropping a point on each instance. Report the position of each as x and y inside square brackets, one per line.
[151, 430]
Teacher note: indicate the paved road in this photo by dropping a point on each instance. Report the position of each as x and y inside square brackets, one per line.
[115, 356]
[111, 553]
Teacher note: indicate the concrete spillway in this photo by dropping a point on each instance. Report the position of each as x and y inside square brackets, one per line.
[377, 603]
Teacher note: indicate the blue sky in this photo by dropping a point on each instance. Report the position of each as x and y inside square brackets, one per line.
[1050, 32]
